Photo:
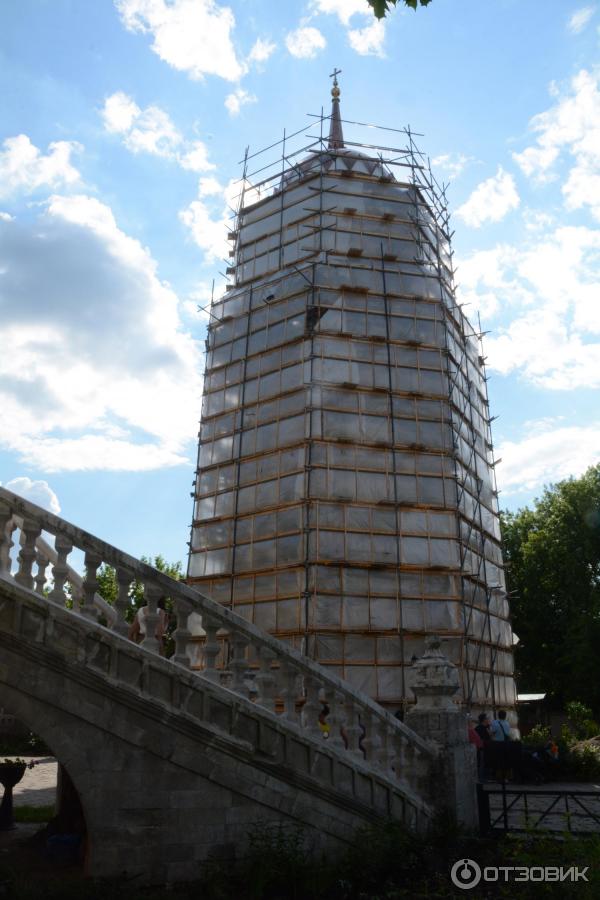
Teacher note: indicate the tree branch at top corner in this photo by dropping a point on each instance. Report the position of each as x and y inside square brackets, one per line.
[382, 7]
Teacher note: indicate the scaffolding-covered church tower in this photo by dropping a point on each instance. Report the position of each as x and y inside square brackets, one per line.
[345, 498]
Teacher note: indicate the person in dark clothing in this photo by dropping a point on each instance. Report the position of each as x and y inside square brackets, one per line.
[483, 728]
[483, 756]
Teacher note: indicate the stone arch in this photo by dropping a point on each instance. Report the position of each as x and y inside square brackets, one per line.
[44, 722]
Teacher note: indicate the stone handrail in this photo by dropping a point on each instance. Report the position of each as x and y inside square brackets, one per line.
[45, 551]
[235, 653]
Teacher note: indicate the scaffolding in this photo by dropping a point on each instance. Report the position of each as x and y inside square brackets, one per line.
[345, 497]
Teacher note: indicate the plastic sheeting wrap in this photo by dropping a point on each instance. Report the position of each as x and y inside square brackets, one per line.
[345, 496]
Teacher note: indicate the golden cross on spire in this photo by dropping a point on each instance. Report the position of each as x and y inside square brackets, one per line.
[335, 91]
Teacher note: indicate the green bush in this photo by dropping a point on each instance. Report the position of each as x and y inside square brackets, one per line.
[538, 736]
[581, 718]
[582, 762]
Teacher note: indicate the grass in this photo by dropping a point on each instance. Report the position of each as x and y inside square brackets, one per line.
[26, 814]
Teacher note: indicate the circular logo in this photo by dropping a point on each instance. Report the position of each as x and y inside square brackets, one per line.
[465, 874]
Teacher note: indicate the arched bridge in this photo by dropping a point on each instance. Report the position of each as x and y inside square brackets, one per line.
[176, 759]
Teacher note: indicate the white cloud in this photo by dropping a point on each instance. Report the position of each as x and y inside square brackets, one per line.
[547, 456]
[343, 9]
[151, 130]
[195, 158]
[547, 292]
[235, 101]
[491, 200]
[305, 43]
[452, 163]
[537, 162]
[536, 220]
[6, 217]
[94, 452]
[208, 232]
[192, 36]
[38, 492]
[197, 305]
[210, 217]
[484, 281]
[261, 51]
[368, 41]
[580, 19]
[119, 113]
[572, 126]
[107, 376]
[24, 167]
[209, 186]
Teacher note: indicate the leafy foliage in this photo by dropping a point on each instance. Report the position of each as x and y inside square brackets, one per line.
[581, 719]
[109, 589]
[537, 736]
[582, 761]
[552, 553]
[382, 7]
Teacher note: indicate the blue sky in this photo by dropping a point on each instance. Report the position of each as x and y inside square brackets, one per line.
[121, 130]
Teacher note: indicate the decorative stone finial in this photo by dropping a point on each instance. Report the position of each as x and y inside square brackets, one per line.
[436, 679]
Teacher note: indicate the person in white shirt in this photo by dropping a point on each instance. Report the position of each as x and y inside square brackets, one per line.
[137, 629]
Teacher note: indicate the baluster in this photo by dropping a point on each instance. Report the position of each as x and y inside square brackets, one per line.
[238, 664]
[123, 602]
[312, 707]
[30, 532]
[90, 583]
[211, 648]
[421, 770]
[352, 729]
[385, 753]
[182, 633]
[6, 543]
[40, 578]
[152, 594]
[335, 718]
[372, 739]
[265, 680]
[60, 569]
[289, 678]
[225, 671]
[409, 772]
[398, 762]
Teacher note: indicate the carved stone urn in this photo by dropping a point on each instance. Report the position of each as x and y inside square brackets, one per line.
[10, 775]
[436, 679]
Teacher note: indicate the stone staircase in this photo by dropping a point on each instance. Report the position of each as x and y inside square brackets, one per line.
[231, 719]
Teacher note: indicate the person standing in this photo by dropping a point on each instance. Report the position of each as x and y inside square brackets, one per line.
[483, 756]
[500, 730]
[137, 629]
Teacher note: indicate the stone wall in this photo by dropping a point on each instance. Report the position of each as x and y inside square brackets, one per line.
[171, 768]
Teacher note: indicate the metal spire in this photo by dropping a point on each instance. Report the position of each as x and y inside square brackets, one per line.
[336, 136]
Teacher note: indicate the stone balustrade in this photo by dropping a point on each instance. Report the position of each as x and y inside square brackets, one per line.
[234, 654]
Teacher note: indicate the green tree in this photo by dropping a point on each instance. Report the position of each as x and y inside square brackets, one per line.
[108, 587]
[552, 553]
[382, 7]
